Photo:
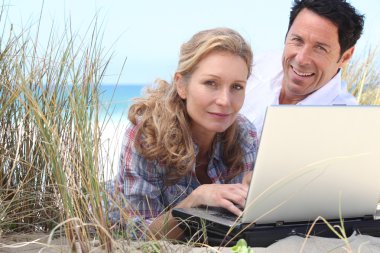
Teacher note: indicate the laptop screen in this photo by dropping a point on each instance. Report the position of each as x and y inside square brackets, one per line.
[316, 161]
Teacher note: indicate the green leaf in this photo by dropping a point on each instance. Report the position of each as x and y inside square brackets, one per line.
[241, 247]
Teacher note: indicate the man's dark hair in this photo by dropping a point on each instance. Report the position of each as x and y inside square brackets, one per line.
[349, 22]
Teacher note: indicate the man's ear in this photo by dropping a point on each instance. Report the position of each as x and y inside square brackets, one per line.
[346, 56]
[180, 85]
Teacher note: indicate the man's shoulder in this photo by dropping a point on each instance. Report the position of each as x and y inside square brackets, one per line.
[335, 92]
[345, 99]
[344, 96]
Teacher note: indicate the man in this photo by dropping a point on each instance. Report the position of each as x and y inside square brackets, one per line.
[320, 40]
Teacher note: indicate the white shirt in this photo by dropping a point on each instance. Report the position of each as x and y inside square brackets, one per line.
[264, 86]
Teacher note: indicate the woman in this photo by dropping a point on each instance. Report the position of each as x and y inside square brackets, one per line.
[186, 145]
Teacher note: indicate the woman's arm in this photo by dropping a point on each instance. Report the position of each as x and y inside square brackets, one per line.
[165, 226]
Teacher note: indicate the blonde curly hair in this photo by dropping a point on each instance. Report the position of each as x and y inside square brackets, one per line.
[163, 123]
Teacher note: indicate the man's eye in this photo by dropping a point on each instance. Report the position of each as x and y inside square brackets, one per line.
[320, 48]
[295, 41]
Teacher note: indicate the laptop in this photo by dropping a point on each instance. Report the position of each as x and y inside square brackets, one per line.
[312, 162]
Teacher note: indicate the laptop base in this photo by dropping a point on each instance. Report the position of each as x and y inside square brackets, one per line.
[264, 235]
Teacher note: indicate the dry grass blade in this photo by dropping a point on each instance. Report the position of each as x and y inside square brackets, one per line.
[363, 77]
[50, 135]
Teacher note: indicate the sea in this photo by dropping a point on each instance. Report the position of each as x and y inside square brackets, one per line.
[115, 101]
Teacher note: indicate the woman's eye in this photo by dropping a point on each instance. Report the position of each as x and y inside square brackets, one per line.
[210, 83]
[237, 86]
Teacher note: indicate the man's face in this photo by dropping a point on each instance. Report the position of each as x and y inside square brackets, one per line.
[311, 56]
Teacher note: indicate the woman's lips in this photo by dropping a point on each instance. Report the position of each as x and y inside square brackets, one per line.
[219, 115]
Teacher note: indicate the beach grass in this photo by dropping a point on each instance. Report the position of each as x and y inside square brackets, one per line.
[362, 75]
[50, 134]
[51, 152]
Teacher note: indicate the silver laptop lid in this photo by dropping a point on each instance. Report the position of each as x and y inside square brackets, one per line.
[316, 161]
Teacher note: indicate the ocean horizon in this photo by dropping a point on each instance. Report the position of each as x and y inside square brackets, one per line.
[115, 101]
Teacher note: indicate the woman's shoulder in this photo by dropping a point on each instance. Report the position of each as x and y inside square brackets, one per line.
[129, 135]
[248, 133]
[245, 124]
[133, 153]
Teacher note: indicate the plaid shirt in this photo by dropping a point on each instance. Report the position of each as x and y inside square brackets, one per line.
[142, 182]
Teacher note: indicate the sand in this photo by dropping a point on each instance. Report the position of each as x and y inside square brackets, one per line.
[28, 243]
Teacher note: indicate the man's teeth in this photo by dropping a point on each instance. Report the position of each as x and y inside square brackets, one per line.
[302, 74]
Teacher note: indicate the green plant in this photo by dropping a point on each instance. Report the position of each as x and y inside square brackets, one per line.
[50, 134]
[241, 247]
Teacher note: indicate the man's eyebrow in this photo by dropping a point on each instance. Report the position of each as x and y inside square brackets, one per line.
[323, 44]
[294, 35]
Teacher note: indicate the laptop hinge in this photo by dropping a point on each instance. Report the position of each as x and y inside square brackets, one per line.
[279, 223]
[368, 217]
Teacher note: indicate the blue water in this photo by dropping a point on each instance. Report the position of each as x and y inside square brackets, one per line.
[116, 99]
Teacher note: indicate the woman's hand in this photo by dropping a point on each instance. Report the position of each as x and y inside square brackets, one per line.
[247, 178]
[218, 195]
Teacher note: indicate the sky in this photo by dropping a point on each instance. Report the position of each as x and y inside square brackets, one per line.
[147, 34]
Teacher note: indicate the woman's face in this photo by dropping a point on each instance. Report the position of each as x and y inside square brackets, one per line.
[215, 92]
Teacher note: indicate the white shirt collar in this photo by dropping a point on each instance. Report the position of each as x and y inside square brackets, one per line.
[326, 94]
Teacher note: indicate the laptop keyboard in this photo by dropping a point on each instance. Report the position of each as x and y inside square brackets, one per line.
[228, 216]
[209, 214]
[222, 213]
